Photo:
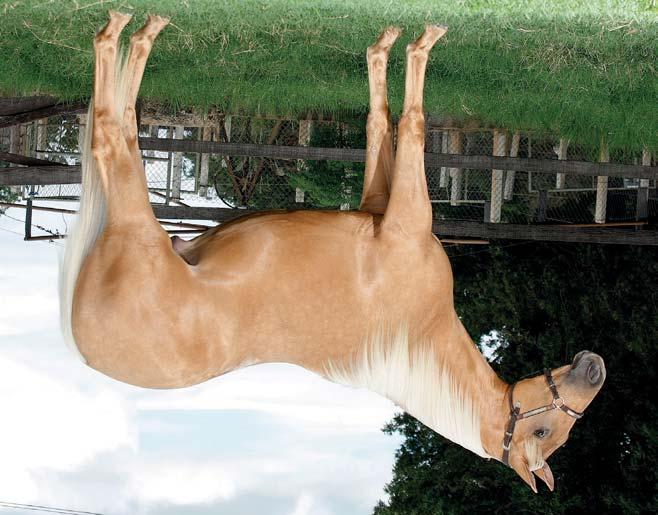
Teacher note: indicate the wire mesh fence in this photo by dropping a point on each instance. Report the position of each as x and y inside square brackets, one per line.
[498, 196]
[526, 197]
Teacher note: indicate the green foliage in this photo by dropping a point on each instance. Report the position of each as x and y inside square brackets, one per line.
[580, 68]
[270, 191]
[6, 195]
[328, 184]
[546, 302]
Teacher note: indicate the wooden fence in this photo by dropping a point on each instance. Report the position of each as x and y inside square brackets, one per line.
[39, 172]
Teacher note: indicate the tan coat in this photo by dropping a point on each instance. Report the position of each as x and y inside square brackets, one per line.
[316, 289]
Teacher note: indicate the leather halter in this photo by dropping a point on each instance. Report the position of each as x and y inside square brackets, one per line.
[515, 408]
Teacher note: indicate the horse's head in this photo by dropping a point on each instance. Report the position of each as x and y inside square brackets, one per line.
[542, 411]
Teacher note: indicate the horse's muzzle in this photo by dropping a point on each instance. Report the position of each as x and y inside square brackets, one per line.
[590, 367]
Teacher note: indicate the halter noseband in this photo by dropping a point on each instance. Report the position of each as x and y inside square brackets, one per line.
[515, 408]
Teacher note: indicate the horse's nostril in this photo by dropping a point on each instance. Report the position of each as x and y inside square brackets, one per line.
[594, 373]
[589, 367]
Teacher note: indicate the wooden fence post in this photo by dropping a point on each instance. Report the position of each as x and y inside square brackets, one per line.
[82, 122]
[443, 176]
[642, 206]
[14, 148]
[602, 188]
[15, 139]
[509, 175]
[206, 135]
[170, 161]
[303, 140]
[177, 167]
[227, 127]
[562, 156]
[42, 133]
[542, 206]
[153, 133]
[646, 161]
[499, 144]
[455, 147]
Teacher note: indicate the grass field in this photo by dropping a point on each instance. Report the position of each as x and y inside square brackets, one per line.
[584, 69]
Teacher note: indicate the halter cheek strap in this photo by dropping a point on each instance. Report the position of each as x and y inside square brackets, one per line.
[515, 412]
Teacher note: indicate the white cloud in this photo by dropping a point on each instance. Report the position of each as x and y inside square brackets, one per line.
[285, 391]
[50, 425]
[308, 505]
[72, 437]
[21, 311]
[182, 483]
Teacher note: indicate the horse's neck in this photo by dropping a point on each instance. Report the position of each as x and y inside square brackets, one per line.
[443, 381]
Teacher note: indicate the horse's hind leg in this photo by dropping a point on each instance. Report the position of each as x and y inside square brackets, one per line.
[379, 141]
[107, 140]
[409, 210]
[114, 138]
[141, 43]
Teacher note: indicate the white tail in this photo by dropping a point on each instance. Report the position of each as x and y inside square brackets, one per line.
[90, 221]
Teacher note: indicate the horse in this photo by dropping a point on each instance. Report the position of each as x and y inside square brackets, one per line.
[362, 298]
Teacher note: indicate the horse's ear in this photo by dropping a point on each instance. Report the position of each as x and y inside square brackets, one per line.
[546, 476]
[521, 467]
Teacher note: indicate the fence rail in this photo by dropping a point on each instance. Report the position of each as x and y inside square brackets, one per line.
[50, 173]
[39, 175]
[357, 155]
[458, 229]
[482, 183]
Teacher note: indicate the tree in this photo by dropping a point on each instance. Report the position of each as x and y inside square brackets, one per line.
[330, 184]
[7, 195]
[255, 182]
[545, 302]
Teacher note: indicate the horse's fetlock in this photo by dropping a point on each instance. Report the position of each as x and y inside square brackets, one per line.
[414, 51]
[104, 41]
[376, 58]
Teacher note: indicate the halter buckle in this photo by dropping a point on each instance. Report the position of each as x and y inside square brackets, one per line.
[558, 402]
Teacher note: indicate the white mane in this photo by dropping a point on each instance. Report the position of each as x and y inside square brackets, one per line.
[410, 376]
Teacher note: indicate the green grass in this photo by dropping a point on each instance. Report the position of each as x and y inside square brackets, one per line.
[584, 69]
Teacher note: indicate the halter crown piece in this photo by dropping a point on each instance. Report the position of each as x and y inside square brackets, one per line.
[515, 412]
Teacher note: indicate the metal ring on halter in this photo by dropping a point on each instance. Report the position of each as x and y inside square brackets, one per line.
[560, 404]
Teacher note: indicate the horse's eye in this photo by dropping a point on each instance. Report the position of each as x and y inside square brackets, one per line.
[541, 433]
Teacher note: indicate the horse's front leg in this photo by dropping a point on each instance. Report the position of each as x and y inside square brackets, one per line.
[379, 130]
[409, 211]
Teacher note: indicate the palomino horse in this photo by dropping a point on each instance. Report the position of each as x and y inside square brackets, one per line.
[363, 298]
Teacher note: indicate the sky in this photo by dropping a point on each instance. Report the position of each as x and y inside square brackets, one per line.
[272, 438]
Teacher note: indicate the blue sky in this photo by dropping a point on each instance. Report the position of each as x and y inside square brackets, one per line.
[272, 439]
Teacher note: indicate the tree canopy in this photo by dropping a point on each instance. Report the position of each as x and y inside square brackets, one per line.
[538, 305]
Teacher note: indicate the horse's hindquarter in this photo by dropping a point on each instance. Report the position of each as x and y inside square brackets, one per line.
[138, 313]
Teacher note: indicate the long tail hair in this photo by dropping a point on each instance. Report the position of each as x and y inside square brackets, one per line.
[90, 221]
